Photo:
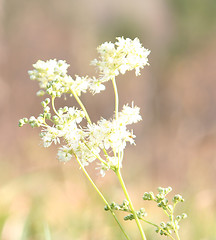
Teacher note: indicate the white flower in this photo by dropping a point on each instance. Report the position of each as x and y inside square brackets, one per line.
[130, 115]
[80, 84]
[48, 71]
[106, 139]
[52, 75]
[96, 86]
[50, 135]
[128, 55]
[64, 154]
[110, 134]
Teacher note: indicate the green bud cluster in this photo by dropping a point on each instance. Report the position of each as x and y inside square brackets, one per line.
[162, 202]
[177, 198]
[122, 207]
[160, 198]
[126, 208]
[140, 214]
[40, 120]
[164, 229]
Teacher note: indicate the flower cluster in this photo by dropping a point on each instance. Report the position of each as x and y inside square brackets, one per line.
[162, 202]
[52, 76]
[105, 140]
[85, 143]
[124, 55]
[126, 208]
[95, 140]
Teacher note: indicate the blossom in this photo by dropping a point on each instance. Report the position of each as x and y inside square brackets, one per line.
[50, 135]
[96, 86]
[112, 134]
[124, 55]
[80, 84]
[130, 115]
[64, 154]
[48, 71]
[52, 76]
[104, 140]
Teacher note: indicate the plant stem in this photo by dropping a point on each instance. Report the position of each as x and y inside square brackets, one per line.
[82, 106]
[103, 198]
[116, 98]
[175, 229]
[118, 173]
[54, 109]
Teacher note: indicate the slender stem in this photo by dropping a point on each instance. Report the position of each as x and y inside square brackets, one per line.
[175, 227]
[177, 235]
[116, 98]
[118, 173]
[82, 106]
[54, 109]
[103, 198]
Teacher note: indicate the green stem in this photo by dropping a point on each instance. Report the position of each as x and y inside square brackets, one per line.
[103, 198]
[54, 109]
[177, 235]
[118, 173]
[116, 98]
[82, 106]
[175, 227]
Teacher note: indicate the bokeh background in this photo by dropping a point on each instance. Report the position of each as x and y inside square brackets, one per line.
[176, 141]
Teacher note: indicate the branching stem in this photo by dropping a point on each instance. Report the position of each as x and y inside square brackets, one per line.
[118, 173]
[103, 198]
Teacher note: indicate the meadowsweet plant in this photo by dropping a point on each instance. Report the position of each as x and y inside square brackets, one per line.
[105, 140]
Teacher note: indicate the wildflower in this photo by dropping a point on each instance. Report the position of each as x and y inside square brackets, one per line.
[50, 135]
[104, 140]
[64, 154]
[130, 115]
[48, 71]
[52, 76]
[124, 55]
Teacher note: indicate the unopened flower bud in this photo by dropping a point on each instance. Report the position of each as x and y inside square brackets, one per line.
[40, 93]
[106, 208]
[47, 101]
[21, 122]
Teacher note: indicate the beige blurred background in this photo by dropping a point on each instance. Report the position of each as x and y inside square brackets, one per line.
[176, 141]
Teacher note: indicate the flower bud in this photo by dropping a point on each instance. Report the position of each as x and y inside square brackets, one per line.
[55, 118]
[32, 119]
[47, 101]
[184, 215]
[21, 123]
[59, 127]
[163, 224]
[40, 93]
[58, 94]
[43, 104]
[106, 208]
[65, 109]
[170, 208]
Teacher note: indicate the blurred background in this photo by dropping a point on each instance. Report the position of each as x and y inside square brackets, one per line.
[175, 145]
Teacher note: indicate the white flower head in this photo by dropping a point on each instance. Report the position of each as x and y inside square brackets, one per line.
[47, 71]
[64, 154]
[80, 84]
[96, 86]
[50, 135]
[110, 134]
[130, 115]
[124, 55]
